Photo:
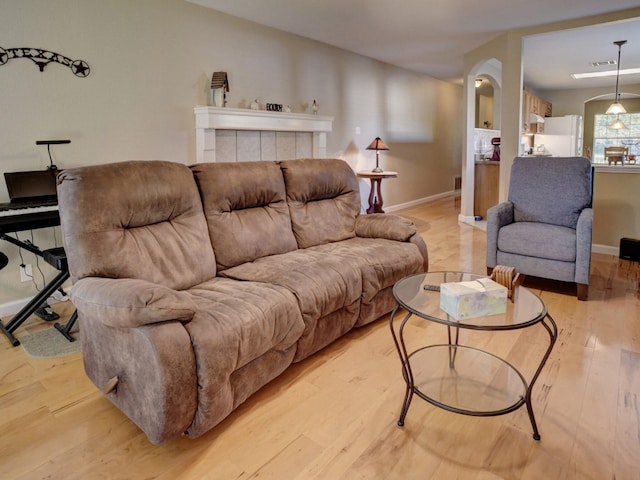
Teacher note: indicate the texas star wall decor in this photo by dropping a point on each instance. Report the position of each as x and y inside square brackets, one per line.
[42, 58]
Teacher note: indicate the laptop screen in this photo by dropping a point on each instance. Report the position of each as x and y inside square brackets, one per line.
[30, 186]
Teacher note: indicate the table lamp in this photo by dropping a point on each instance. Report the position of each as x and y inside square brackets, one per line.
[377, 145]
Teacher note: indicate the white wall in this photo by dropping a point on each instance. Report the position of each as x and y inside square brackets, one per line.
[151, 63]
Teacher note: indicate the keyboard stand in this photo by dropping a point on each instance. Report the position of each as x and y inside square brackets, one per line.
[55, 257]
[32, 306]
[66, 329]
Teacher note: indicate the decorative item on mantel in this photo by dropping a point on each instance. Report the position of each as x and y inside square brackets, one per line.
[287, 109]
[314, 107]
[255, 105]
[274, 107]
[219, 89]
[377, 145]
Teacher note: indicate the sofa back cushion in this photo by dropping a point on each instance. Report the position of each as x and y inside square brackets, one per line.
[246, 210]
[323, 198]
[551, 190]
[140, 220]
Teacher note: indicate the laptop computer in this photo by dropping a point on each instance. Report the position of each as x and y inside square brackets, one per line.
[33, 188]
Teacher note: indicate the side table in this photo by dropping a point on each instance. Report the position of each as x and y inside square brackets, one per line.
[461, 378]
[375, 195]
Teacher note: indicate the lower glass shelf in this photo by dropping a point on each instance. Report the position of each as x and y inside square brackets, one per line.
[466, 380]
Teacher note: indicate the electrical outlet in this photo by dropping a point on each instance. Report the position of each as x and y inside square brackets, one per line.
[26, 273]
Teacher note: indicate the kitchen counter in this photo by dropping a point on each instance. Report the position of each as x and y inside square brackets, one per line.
[485, 194]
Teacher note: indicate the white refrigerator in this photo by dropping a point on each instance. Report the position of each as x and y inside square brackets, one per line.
[562, 137]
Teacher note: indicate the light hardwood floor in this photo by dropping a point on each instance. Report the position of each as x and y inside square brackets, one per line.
[334, 415]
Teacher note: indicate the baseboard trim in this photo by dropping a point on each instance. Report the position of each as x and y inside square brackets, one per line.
[13, 307]
[605, 249]
[471, 220]
[9, 309]
[421, 201]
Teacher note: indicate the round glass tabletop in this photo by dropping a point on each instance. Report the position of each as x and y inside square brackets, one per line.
[420, 295]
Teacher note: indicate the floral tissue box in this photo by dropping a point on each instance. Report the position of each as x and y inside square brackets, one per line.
[477, 298]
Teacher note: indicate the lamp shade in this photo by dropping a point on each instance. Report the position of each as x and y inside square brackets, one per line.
[377, 144]
[616, 107]
[618, 124]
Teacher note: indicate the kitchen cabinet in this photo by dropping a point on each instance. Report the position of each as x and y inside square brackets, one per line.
[485, 194]
[536, 105]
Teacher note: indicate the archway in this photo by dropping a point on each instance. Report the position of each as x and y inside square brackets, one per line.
[488, 70]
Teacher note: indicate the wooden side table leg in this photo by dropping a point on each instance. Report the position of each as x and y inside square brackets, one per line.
[378, 204]
[371, 208]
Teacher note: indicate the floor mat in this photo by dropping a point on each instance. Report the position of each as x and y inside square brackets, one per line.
[48, 343]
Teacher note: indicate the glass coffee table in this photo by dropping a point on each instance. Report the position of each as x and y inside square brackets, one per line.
[460, 378]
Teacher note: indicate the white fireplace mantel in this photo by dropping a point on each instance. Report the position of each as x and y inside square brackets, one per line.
[211, 119]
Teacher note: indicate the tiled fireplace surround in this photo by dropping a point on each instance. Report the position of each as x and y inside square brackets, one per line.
[235, 135]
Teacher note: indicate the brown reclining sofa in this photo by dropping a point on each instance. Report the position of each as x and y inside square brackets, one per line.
[195, 286]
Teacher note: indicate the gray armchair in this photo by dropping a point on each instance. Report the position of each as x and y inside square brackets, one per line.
[544, 229]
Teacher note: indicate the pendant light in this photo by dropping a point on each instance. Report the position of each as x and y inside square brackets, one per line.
[616, 106]
[617, 125]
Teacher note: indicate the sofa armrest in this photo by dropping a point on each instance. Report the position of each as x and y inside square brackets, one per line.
[391, 227]
[383, 225]
[497, 217]
[584, 229]
[128, 303]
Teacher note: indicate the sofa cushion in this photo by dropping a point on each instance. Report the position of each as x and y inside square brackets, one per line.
[235, 326]
[381, 264]
[323, 285]
[324, 200]
[533, 239]
[246, 210]
[140, 220]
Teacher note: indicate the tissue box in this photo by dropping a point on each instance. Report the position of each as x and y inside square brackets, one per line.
[476, 298]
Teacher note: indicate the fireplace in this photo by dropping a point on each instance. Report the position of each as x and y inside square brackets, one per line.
[237, 135]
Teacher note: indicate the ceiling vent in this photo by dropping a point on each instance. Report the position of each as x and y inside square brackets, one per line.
[604, 62]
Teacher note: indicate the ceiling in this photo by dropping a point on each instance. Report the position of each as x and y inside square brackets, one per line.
[432, 37]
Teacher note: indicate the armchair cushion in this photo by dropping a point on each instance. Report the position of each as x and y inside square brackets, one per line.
[536, 183]
[538, 240]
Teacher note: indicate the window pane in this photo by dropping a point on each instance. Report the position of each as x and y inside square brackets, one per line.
[603, 136]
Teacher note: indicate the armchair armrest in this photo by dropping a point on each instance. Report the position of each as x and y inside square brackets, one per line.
[127, 303]
[497, 217]
[392, 227]
[584, 229]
